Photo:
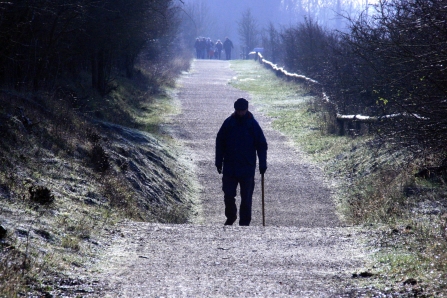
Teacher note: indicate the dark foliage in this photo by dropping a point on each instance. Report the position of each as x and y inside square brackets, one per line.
[404, 49]
[3, 232]
[271, 40]
[41, 195]
[248, 31]
[306, 48]
[44, 41]
[100, 158]
[391, 65]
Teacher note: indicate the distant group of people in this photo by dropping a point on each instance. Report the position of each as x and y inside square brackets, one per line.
[207, 49]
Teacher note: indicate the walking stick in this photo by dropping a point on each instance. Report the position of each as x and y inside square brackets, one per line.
[263, 204]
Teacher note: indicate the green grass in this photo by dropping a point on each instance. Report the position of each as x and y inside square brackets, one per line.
[291, 108]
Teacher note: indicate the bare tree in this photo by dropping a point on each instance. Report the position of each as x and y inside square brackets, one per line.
[325, 12]
[248, 31]
[306, 48]
[271, 41]
[200, 14]
[390, 65]
[404, 47]
[294, 10]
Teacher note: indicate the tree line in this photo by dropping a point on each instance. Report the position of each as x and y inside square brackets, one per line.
[390, 64]
[44, 41]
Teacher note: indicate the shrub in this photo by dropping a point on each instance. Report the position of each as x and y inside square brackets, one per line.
[100, 158]
[41, 195]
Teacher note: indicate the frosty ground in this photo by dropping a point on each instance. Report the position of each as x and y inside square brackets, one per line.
[304, 250]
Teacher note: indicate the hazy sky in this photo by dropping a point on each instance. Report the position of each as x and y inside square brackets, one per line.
[223, 15]
[226, 13]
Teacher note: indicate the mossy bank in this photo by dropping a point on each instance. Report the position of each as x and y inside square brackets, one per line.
[72, 165]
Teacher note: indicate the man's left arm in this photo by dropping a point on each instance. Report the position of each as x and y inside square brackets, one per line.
[261, 148]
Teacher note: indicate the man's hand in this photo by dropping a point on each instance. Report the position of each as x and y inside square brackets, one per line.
[219, 170]
[262, 170]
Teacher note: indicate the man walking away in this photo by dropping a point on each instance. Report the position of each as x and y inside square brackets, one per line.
[238, 141]
[228, 45]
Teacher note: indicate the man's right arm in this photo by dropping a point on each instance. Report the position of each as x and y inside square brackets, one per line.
[220, 147]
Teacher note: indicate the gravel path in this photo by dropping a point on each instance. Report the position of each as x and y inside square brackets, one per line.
[294, 191]
[304, 251]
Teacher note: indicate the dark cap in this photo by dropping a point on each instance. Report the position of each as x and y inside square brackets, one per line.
[241, 104]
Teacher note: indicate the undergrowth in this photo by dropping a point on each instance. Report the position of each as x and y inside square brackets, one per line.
[73, 164]
[376, 187]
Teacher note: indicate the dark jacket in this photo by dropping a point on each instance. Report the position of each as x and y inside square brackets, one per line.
[237, 142]
[228, 45]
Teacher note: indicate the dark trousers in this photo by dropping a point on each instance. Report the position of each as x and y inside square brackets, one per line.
[228, 54]
[229, 187]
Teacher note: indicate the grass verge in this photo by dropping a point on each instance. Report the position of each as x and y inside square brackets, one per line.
[376, 188]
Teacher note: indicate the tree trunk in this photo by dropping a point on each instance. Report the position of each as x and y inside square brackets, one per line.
[130, 62]
[101, 73]
[94, 70]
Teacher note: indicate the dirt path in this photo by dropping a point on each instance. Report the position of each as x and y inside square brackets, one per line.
[303, 252]
[295, 195]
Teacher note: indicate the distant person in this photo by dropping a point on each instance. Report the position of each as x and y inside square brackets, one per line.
[219, 47]
[228, 45]
[197, 47]
[202, 47]
[238, 141]
[210, 50]
[208, 47]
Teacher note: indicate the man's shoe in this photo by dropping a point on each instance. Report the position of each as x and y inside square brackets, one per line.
[230, 221]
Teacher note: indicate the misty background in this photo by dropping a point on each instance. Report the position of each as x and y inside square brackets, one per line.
[219, 19]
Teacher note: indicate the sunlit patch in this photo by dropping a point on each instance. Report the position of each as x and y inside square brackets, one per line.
[247, 79]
